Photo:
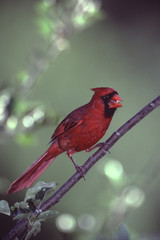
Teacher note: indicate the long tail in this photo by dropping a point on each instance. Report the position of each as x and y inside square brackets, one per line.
[36, 169]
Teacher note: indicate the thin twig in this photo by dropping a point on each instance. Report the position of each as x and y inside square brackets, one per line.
[22, 225]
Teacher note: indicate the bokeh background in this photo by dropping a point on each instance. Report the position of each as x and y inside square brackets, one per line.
[51, 54]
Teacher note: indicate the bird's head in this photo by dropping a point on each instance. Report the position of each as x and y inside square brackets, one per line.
[108, 97]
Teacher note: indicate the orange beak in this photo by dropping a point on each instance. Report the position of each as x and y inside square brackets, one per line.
[115, 102]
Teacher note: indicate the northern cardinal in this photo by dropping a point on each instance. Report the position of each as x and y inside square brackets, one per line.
[80, 130]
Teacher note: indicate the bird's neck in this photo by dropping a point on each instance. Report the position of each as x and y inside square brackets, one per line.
[109, 112]
[102, 109]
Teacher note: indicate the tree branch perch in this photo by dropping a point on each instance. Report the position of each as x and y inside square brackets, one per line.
[23, 224]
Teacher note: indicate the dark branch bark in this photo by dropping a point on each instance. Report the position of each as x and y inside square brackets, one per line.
[23, 224]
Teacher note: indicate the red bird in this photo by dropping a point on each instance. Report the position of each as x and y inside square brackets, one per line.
[79, 131]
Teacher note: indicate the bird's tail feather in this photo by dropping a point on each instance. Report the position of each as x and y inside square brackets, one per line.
[36, 169]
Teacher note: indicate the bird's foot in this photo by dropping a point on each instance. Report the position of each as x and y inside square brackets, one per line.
[95, 146]
[80, 169]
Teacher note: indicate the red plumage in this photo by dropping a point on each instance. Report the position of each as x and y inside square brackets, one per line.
[80, 130]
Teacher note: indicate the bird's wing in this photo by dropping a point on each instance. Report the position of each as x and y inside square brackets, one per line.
[69, 122]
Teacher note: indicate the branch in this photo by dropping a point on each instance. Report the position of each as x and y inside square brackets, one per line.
[23, 224]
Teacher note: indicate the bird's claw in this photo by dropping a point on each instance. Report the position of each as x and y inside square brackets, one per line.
[80, 169]
[95, 146]
[102, 145]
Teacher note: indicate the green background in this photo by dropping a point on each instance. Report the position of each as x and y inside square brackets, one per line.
[118, 52]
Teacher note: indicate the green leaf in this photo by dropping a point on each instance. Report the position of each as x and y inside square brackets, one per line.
[39, 191]
[36, 228]
[47, 214]
[4, 207]
[21, 205]
[20, 210]
[21, 216]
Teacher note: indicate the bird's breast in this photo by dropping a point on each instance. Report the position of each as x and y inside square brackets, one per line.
[85, 135]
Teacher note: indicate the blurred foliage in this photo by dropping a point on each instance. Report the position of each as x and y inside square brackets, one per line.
[29, 208]
[120, 197]
[4, 207]
[57, 21]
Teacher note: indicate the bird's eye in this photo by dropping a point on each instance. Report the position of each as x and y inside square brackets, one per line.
[105, 97]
